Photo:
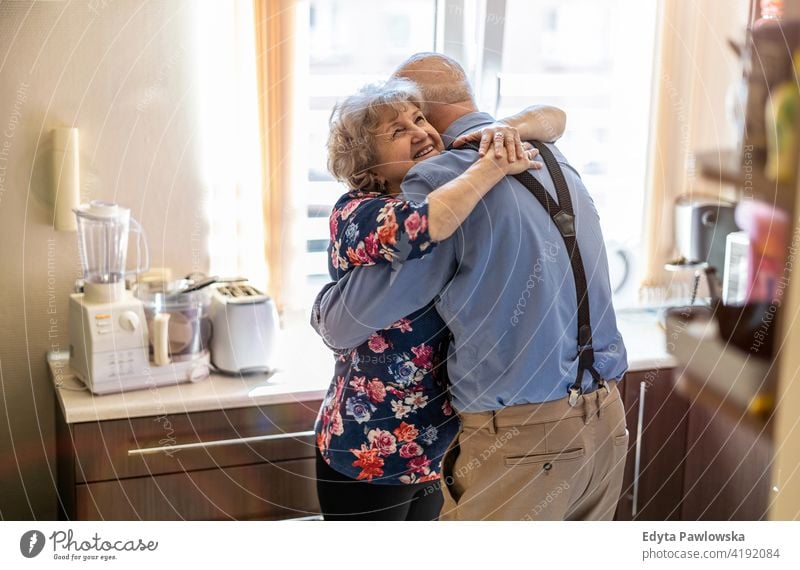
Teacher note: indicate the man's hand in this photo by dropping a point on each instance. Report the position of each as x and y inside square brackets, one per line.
[505, 140]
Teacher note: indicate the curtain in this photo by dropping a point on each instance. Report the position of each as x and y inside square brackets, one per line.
[695, 68]
[275, 61]
[227, 128]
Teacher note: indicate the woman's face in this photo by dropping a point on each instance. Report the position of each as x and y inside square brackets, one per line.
[401, 142]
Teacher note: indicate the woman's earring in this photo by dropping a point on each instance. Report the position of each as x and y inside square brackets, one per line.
[382, 184]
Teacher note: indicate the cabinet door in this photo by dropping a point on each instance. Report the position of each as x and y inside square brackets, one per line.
[657, 417]
[727, 468]
[281, 490]
[137, 447]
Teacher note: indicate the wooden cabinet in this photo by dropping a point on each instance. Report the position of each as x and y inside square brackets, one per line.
[728, 468]
[243, 463]
[657, 418]
[694, 463]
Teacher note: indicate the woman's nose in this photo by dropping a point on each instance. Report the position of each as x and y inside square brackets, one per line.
[418, 133]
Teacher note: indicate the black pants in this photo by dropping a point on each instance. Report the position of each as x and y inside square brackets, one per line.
[343, 498]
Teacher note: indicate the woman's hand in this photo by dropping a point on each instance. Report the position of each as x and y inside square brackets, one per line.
[499, 134]
[505, 140]
[510, 165]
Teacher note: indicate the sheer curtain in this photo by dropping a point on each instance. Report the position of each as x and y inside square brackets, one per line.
[275, 22]
[695, 68]
[228, 126]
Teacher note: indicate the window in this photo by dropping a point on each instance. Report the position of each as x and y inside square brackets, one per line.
[349, 43]
[592, 58]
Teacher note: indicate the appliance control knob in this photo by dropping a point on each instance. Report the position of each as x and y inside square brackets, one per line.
[129, 321]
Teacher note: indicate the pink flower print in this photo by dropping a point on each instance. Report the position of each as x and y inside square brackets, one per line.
[371, 244]
[376, 391]
[416, 400]
[415, 224]
[383, 441]
[423, 356]
[334, 223]
[350, 207]
[387, 211]
[411, 449]
[430, 477]
[337, 427]
[400, 410]
[447, 409]
[359, 255]
[377, 343]
[419, 464]
[359, 384]
[403, 325]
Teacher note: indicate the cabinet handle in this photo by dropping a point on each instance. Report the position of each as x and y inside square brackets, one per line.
[218, 443]
[637, 463]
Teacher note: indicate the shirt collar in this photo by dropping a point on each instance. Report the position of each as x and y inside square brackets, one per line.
[465, 124]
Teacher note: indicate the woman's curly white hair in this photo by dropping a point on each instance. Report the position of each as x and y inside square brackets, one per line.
[354, 123]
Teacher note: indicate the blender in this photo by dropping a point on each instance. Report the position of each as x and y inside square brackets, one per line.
[109, 340]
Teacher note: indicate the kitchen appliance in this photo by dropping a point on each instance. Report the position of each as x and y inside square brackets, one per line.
[177, 311]
[734, 286]
[109, 340]
[702, 225]
[245, 328]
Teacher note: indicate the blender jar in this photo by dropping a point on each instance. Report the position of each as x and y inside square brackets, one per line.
[103, 244]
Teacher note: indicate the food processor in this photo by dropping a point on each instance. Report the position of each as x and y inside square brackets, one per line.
[108, 329]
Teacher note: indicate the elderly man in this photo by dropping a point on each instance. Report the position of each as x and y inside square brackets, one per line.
[536, 354]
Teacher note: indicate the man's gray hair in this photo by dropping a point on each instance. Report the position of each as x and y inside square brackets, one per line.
[440, 78]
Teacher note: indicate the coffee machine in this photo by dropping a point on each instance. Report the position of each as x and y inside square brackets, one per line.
[108, 330]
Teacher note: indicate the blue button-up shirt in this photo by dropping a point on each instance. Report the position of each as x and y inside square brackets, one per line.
[503, 284]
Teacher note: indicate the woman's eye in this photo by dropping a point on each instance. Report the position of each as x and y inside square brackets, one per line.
[396, 132]
[420, 119]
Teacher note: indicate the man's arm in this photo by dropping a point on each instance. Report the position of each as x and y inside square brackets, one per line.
[538, 123]
[368, 299]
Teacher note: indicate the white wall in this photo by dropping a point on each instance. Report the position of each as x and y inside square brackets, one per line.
[123, 73]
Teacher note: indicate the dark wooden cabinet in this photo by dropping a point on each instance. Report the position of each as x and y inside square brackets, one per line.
[695, 463]
[656, 417]
[243, 463]
[728, 468]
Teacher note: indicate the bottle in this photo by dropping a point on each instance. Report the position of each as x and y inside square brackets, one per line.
[771, 13]
[782, 110]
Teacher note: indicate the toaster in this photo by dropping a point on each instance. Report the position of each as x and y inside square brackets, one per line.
[245, 328]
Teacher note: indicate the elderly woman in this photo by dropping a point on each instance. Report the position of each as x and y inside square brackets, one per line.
[386, 420]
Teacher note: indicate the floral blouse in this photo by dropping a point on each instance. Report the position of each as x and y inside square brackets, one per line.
[386, 418]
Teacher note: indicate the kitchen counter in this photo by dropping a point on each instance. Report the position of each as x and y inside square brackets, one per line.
[302, 378]
[217, 392]
[645, 340]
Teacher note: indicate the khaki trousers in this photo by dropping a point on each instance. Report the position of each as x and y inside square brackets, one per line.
[548, 461]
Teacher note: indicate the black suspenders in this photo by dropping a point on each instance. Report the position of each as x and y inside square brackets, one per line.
[564, 218]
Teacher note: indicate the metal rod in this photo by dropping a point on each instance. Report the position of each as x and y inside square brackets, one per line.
[218, 443]
[638, 461]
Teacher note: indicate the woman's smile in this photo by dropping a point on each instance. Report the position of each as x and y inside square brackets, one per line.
[426, 150]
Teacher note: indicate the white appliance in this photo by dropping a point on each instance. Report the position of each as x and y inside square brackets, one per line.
[734, 284]
[109, 346]
[245, 328]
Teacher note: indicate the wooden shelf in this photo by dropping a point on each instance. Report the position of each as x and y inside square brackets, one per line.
[725, 166]
[716, 373]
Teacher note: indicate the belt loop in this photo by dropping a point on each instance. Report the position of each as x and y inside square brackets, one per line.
[492, 425]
